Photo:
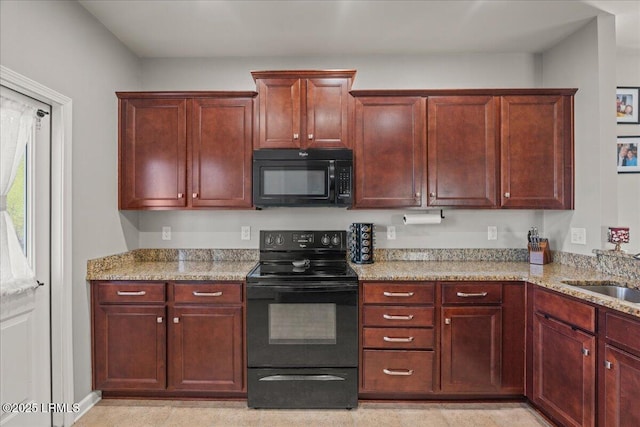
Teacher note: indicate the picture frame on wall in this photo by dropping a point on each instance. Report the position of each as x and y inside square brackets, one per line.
[627, 105]
[627, 154]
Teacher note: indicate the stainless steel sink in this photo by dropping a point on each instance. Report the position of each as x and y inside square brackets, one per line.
[609, 288]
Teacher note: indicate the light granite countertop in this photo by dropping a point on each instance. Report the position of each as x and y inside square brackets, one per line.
[549, 276]
[234, 265]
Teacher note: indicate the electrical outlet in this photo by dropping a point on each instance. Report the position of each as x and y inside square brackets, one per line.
[391, 232]
[166, 233]
[492, 232]
[245, 232]
[579, 236]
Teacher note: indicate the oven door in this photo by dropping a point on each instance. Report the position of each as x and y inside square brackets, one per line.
[302, 325]
[293, 182]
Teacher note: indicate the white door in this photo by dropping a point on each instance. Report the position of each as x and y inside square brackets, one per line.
[25, 340]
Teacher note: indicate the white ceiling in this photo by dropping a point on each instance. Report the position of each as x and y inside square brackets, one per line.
[207, 28]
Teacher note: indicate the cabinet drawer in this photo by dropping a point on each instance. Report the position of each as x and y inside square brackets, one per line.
[405, 338]
[567, 310]
[623, 331]
[131, 292]
[208, 293]
[398, 293]
[397, 315]
[398, 371]
[472, 293]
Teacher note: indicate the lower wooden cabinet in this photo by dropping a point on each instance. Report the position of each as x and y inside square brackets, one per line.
[620, 370]
[206, 349]
[397, 371]
[168, 339]
[564, 359]
[129, 347]
[471, 349]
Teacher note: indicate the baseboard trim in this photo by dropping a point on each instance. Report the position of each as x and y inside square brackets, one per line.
[87, 403]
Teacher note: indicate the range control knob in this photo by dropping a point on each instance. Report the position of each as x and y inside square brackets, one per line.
[325, 240]
[279, 239]
[269, 239]
[335, 240]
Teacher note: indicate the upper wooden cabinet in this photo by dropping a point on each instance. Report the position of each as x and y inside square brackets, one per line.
[537, 151]
[462, 151]
[185, 150]
[389, 151]
[303, 109]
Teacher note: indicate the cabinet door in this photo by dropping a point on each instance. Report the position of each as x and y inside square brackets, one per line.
[564, 372]
[621, 385]
[471, 349]
[221, 152]
[389, 147]
[129, 347]
[327, 114]
[205, 349]
[153, 153]
[462, 145]
[279, 117]
[537, 152]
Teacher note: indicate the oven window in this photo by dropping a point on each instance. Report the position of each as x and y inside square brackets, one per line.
[302, 323]
[293, 182]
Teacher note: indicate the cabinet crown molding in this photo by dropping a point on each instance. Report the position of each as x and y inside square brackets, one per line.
[309, 74]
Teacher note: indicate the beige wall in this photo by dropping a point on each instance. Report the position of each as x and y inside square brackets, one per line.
[60, 45]
[628, 74]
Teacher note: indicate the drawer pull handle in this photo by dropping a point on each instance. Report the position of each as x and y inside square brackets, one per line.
[398, 294]
[399, 339]
[207, 294]
[398, 372]
[398, 317]
[132, 293]
[471, 295]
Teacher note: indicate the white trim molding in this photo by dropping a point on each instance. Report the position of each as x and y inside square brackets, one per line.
[61, 236]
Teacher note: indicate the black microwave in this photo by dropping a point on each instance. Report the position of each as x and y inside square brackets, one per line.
[314, 177]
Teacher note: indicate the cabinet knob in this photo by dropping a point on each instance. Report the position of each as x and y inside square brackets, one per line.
[447, 321]
[180, 195]
[310, 136]
[418, 194]
[176, 320]
[296, 136]
[432, 194]
[608, 364]
[507, 195]
[585, 351]
[159, 319]
[195, 195]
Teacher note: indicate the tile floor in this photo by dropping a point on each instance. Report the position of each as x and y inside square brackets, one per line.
[163, 413]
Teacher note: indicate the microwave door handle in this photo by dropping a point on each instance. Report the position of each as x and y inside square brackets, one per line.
[332, 181]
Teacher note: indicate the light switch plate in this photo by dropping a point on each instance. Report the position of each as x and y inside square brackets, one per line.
[391, 232]
[579, 236]
[492, 232]
[166, 233]
[245, 232]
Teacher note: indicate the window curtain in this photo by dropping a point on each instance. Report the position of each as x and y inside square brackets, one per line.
[16, 128]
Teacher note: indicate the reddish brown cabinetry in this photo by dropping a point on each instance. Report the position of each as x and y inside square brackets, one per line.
[175, 339]
[482, 338]
[462, 151]
[185, 150]
[537, 151]
[389, 151]
[564, 358]
[303, 109]
[205, 338]
[398, 339]
[620, 371]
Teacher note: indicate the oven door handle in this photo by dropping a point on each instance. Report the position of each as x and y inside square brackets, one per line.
[302, 378]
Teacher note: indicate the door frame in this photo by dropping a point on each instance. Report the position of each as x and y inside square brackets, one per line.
[61, 236]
